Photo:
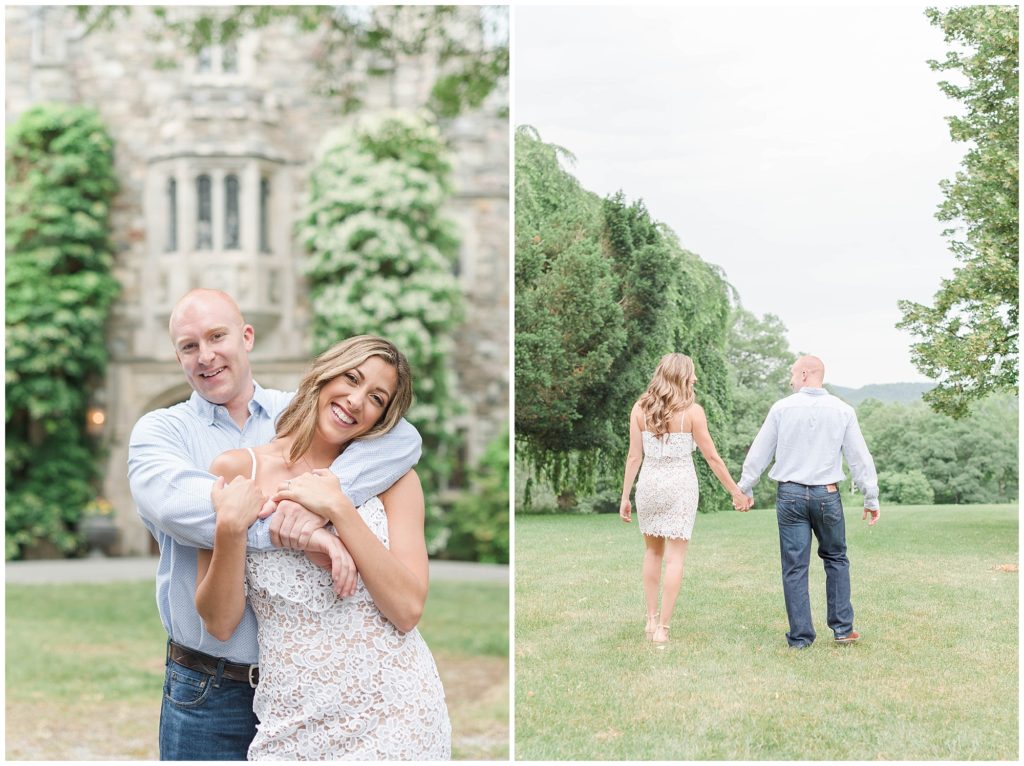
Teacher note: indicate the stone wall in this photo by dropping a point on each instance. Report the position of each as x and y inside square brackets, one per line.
[170, 120]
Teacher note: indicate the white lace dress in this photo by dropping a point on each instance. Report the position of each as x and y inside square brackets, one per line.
[667, 491]
[338, 681]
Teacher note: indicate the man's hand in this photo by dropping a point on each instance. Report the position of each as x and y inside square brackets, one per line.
[741, 502]
[626, 510]
[237, 504]
[292, 526]
[874, 515]
[328, 552]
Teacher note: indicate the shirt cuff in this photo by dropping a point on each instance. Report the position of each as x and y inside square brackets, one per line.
[259, 535]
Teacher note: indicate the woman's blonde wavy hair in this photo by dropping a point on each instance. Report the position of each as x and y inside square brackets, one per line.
[670, 390]
[300, 417]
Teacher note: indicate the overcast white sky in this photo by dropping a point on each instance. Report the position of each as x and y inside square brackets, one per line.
[800, 149]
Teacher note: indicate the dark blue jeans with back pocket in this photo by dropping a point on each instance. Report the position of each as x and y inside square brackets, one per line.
[803, 511]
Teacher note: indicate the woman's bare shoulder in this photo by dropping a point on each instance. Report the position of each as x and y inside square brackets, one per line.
[234, 462]
[695, 416]
[410, 482]
[406, 488]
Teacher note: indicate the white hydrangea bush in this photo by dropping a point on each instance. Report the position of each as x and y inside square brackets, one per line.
[381, 260]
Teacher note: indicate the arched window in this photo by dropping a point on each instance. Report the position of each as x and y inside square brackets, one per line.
[264, 215]
[204, 60]
[172, 215]
[229, 57]
[231, 224]
[204, 214]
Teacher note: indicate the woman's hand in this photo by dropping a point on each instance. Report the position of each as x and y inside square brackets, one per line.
[625, 510]
[328, 552]
[740, 501]
[237, 504]
[319, 492]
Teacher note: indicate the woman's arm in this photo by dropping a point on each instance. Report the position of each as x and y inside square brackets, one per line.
[702, 437]
[397, 577]
[220, 573]
[634, 458]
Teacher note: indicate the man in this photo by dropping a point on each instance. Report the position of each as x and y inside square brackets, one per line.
[808, 434]
[209, 685]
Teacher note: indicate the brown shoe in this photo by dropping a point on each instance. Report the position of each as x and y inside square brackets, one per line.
[849, 638]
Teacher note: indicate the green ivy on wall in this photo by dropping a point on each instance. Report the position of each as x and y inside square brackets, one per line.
[60, 183]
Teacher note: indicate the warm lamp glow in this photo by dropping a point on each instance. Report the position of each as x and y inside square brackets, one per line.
[95, 417]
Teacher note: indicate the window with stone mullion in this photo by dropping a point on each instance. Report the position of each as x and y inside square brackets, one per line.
[232, 222]
[172, 216]
[204, 213]
[264, 215]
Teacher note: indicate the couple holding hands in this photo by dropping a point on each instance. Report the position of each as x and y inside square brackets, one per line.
[807, 435]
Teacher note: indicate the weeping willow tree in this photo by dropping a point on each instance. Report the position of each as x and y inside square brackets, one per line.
[602, 292]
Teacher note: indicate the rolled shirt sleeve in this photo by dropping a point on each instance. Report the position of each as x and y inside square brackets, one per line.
[370, 466]
[171, 494]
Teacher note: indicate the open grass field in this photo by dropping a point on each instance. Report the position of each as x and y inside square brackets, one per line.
[935, 676]
[85, 667]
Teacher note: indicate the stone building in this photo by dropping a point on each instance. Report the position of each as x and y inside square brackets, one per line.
[213, 153]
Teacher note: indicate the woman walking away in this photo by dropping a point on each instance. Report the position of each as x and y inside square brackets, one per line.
[664, 426]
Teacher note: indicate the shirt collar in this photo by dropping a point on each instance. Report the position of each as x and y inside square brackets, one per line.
[208, 410]
[813, 391]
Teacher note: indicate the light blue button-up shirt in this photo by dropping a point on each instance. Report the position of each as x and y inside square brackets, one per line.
[808, 434]
[168, 456]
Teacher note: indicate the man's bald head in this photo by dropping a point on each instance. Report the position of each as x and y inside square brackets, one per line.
[807, 371]
[203, 299]
[212, 344]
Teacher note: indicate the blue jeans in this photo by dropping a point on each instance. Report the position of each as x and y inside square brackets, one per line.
[204, 717]
[802, 510]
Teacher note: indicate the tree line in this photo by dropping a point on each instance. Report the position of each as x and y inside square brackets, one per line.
[602, 291]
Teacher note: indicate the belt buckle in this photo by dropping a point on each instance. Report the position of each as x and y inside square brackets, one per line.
[252, 668]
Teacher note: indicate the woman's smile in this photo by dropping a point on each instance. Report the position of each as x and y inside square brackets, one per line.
[354, 401]
[343, 416]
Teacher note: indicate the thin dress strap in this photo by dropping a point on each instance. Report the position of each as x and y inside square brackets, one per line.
[253, 456]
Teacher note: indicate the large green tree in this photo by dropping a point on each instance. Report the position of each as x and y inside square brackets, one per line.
[602, 292]
[969, 337]
[59, 258]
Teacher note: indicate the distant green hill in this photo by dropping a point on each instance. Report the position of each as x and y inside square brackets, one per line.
[883, 392]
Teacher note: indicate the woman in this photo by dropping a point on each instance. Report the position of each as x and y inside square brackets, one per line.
[340, 678]
[664, 425]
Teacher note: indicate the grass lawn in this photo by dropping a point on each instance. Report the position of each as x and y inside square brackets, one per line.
[935, 594]
[85, 667]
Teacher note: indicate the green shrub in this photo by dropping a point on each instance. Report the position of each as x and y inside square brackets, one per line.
[905, 488]
[479, 520]
[60, 183]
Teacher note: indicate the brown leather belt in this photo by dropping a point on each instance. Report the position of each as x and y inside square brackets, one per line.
[205, 663]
